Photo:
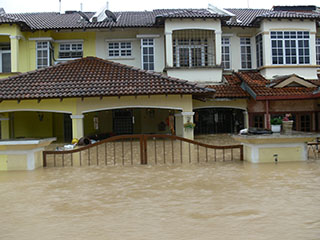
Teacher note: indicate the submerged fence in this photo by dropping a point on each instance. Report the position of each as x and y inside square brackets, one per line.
[142, 149]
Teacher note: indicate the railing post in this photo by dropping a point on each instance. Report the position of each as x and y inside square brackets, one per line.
[141, 150]
[145, 149]
[44, 156]
[241, 153]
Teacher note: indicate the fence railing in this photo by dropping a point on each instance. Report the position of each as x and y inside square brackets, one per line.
[142, 149]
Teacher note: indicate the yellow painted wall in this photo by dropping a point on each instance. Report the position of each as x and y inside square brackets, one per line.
[28, 47]
[58, 126]
[3, 162]
[28, 124]
[285, 154]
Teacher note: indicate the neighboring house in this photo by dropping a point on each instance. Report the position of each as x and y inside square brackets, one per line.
[259, 63]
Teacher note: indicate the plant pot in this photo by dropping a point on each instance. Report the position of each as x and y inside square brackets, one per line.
[287, 126]
[276, 128]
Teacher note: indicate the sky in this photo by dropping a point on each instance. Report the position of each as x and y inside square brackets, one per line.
[15, 6]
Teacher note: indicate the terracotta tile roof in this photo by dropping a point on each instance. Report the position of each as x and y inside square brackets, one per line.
[91, 76]
[259, 85]
[231, 89]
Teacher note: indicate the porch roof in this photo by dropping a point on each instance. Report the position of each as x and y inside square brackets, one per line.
[230, 89]
[262, 89]
[94, 77]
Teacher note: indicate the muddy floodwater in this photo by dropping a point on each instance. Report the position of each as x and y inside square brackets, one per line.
[222, 200]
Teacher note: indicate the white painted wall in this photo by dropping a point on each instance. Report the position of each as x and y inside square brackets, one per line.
[200, 75]
[307, 71]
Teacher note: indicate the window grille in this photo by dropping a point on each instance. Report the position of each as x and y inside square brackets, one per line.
[5, 58]
[193, 48]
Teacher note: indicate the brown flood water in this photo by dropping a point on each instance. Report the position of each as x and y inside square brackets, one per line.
[220, 200]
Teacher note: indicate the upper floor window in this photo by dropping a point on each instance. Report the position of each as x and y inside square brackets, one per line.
[193, 48]
[147, 50]
[290, 47]
[70, 50]
[318, 50]
[44, 53]
[5, 58]
[120, 49]
[259, 50]
[245, 48]
[225, 51]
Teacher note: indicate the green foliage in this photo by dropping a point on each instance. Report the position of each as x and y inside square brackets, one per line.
[276, 121]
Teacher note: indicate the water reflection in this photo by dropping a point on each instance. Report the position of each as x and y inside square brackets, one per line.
[207, 201]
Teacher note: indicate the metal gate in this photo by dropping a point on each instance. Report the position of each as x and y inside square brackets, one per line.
[142, 149]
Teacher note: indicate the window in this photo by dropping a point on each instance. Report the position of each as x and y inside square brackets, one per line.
[147, 48]
[245, 47]
[120, 49]
[226, 59]
[258, 121]
[5, 58]
[290, 47]
[305, 122]
[193, 48]
[318, 50]
[70, 50]
[44, 50]
[259, 50]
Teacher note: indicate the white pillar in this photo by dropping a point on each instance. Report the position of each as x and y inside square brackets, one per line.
[246, 119]
[218, 47]
[14, 45]
[181, 119]
[266, 49]
[77, 126]
[169, 52]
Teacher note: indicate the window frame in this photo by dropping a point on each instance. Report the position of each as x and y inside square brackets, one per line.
[259, 50]
[245, 53]
[318, 50]
[48, 49]
[150, 64]
[286, 47]
[120, 49]
[5, 49]
[223, 53]
[70, 50]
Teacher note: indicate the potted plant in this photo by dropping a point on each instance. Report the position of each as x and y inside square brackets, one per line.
[276, 124]
[287, 123]
[189, 125]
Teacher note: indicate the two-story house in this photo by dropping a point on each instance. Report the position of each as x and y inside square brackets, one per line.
[74, 74]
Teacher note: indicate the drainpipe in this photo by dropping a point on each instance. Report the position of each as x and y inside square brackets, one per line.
[267, 115]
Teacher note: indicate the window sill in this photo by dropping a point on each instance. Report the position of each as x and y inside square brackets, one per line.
[120, 58]
[193, 68]
[289, 66]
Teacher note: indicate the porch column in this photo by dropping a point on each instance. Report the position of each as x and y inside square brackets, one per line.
[169, 52]
[14, 45]
[181, 119]
[246, 119]
[77, 126]
[5, 126]
[218, 47]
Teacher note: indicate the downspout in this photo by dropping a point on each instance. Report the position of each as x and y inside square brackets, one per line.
[267, 115]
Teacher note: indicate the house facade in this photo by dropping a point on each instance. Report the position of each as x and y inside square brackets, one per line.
[77, 74]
